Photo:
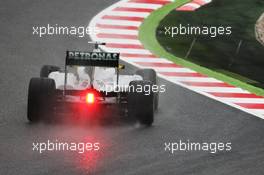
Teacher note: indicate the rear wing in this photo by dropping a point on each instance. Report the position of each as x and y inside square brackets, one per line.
[96, 59]
[99, 59]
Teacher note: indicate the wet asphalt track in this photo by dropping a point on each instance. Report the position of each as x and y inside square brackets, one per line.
[125, 148]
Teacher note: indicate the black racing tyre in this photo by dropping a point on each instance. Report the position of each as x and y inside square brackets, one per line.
[47, 69]
[41, 94]
[150, 75]
[141, 103]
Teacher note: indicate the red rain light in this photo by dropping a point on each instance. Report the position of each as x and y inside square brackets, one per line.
[90, 98]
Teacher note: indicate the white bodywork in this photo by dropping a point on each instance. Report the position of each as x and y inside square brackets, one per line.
[105, 79]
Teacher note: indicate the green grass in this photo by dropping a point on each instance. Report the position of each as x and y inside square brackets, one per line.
[220, 53]
[147, 35]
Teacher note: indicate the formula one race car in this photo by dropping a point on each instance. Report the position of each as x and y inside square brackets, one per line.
[91, 82]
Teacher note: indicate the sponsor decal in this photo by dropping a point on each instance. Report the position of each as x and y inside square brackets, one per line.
[103, 59]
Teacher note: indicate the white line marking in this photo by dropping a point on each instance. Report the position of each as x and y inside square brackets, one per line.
[133, 51]
[118, 31]
[148, 60]
[195, 79]
[118, 41]
[219, 89]
[141, 5]
[244, 100]
[130, 14]
[119, 22]
[168, 69]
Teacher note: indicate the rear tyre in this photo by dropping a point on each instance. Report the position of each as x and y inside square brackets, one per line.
[141, 104]
[150, 75]
[41, 94]
[47, 69]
